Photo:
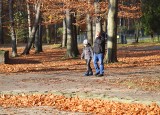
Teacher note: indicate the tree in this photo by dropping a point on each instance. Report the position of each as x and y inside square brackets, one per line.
[38, 39]
[12, 29]
[89, 26]
[74, 34]
[70, 50]
[98, 17]
[48, 38]
[64, 39]
[111, 55]
[34, 28]
[151, 16]
[1, 22]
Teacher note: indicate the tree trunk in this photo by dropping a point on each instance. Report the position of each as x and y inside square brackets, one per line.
[64, 39]
[89, 30]
[29, 19]
[94, 29]
[105, 24]
[111, 55]
[55, 33]
[70, 51]
[48, 38]
[1, 22]
[40, 28]
[136, 35]
[89, 27]
[12, 30]
[36, 41]
[74, 35]
[98, 18]
[34, 28]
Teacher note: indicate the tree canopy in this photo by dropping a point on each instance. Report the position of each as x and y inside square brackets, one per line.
[53, 10]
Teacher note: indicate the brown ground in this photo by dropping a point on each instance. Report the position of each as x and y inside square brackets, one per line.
[138, 70]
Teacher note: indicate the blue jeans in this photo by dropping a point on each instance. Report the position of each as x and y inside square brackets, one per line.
[98, 63]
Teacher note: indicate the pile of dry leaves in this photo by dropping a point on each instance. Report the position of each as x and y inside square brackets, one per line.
[78, 105]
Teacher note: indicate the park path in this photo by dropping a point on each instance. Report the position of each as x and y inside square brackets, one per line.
[74, 84]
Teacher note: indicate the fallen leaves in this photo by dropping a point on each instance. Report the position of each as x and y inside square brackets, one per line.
[76, 104]
[52, 60]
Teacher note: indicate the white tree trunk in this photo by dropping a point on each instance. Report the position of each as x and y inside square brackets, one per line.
[34, 28]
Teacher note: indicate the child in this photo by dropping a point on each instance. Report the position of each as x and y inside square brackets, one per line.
[87, 54]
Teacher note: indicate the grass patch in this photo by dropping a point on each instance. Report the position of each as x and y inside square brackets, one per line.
[140, 44]
[56, 46]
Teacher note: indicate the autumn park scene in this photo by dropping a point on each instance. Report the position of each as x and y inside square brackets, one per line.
[43, 64]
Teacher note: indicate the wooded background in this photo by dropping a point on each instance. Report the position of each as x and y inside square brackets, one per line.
[35, 22]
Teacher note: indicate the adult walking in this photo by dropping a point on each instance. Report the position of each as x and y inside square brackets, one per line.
[99, 51]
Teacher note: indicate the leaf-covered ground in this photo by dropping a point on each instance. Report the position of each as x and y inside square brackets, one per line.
[53, 60]
[93, 106]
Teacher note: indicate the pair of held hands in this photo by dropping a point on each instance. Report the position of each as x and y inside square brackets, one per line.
[83, 58]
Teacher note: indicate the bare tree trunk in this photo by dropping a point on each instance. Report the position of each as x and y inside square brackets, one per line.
[74, 35]
[89, 27]
[48, 38]
[89, 30]
[111, 55]
[40, 27]
[13, 35]
[1, 22]
[98, 18]
[70, 51]
[38, 38]
[94, 29]
[34, 28]
[105, 24]
[64, 39]
[36, 41]
[136, 35]
[55, 33]
[29, 19]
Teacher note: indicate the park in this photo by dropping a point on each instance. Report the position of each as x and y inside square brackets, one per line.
[41, 70]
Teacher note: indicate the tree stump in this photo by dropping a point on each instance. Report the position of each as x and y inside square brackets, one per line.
[4, 56]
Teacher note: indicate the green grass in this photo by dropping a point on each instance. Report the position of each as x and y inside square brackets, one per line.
[140, 44]
[56, 45]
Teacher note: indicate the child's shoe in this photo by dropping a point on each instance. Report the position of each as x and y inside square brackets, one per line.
[91, 73]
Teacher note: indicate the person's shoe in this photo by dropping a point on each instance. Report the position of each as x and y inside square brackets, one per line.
[100, 75]
[96, 74]
[86, 74]
[90, 73]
